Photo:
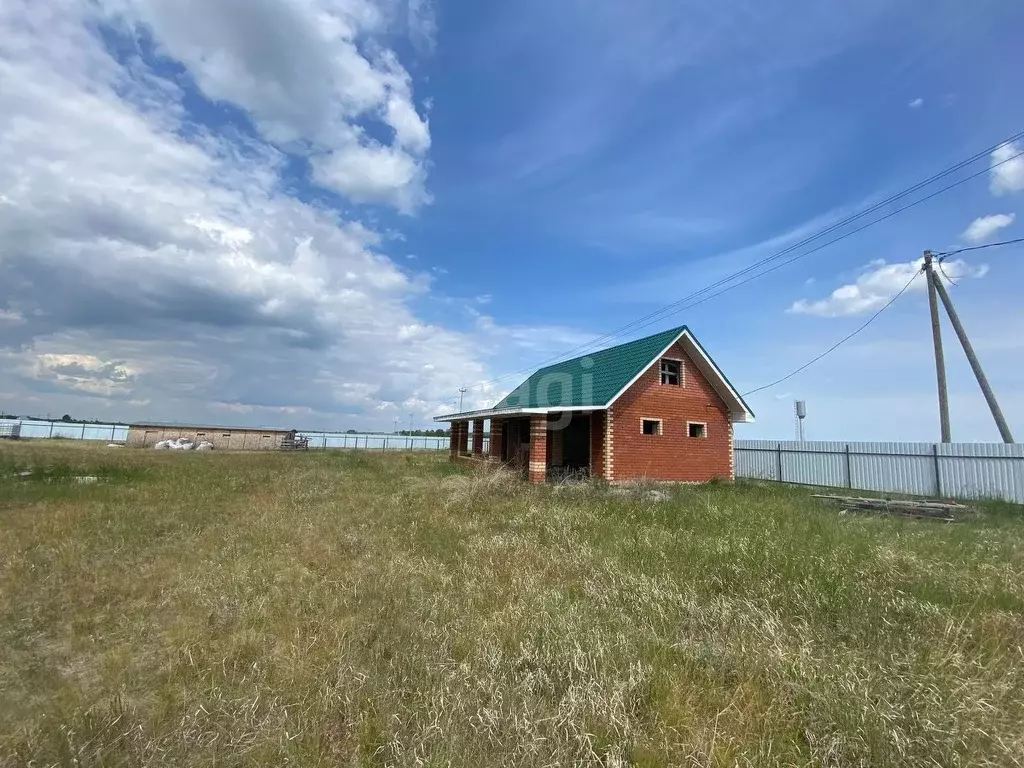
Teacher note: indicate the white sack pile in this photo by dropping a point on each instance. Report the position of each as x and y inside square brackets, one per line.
[183, 444]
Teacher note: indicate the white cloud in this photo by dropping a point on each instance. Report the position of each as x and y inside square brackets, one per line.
[916, 103]
[311, 74]
[86, 373]
[11, 316]
[984, 227]
[1007, 170]
[374, 173]
[876, 285]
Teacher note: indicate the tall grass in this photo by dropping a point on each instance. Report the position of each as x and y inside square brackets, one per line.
[356, 608]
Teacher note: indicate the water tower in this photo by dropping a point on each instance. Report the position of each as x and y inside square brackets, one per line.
[800, 408]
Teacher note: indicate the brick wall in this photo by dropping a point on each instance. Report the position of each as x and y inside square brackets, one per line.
[672, 455]
[556, 441]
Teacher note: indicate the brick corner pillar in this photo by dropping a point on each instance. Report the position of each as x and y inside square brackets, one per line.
[453, 439]
[478, 437]
[463, 445]
[538, 447]
[597, 444]
[732, 453]
[495, 444]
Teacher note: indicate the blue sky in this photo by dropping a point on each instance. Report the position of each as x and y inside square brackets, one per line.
[334, 213]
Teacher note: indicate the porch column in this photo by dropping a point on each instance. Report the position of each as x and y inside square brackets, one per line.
[453, 439]
[478, 437]
[538, 447]
[495, 446]
[463, 437]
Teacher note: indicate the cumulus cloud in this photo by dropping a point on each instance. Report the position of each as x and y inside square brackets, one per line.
[311, 75]
[876, 285]
[11, 317]
[86, 373]
[1007, 170]
[984, 227]
[916, 103]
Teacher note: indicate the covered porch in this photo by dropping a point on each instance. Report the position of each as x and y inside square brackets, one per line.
[541, 445]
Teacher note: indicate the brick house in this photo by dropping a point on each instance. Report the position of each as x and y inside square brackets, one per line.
[656, 408]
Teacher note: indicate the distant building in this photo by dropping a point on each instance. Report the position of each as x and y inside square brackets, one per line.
[657, 408]
[223, 438]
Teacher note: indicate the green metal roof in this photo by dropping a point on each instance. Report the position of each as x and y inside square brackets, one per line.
[591, 380]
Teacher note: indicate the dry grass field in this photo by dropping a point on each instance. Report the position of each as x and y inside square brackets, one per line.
[360, 609]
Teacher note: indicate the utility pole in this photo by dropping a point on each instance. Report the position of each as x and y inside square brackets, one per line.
[979, 374]
[940, 361]
[462, 392]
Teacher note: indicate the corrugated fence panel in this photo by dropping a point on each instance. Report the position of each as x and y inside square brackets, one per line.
[957, 470]
[757, 459]
[983, 470]
[378, 442]
[824, 465]
[893, 467]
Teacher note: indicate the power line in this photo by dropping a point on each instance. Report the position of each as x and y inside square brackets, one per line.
[946, 254]
[688, 302]
[839, 343]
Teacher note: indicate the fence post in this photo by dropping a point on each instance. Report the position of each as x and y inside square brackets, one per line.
[849, 468]
[778, 447]
[384, 447]
[83, 430]
[938, 474]
[112, 428]
[51, 429]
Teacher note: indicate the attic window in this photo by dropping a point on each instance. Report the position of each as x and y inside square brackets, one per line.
[697, 429]
[670, 372]
[650, 426]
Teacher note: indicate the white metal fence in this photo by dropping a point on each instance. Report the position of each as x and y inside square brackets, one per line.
[372, 442]
[952, 470]
[118, 433]
[32, 428]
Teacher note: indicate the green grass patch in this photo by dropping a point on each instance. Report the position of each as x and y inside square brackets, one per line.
[354, 608]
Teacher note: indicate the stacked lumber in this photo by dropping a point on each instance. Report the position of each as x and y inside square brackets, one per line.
[947, 511]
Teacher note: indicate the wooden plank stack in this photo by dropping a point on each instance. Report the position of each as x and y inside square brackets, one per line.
[946, 511]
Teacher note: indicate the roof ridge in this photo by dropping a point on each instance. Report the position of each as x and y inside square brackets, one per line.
[677, 330]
